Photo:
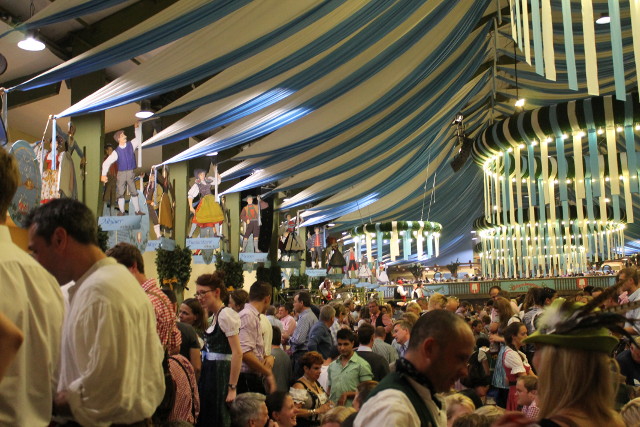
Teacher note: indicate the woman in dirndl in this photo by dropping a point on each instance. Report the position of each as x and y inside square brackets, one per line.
[222, 357]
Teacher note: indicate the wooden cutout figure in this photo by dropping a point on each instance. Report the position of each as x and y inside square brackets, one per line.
[315, 244]
[290, 241]
[335, 257]
[364, 272]
[250, 215]
[207, 215]
[352, 266]
[124, 155]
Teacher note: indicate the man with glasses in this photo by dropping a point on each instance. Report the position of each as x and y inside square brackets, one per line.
[111, 359]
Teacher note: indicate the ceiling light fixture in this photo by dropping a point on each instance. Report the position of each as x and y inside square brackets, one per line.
[145, 110]
[604, 19]
[31, 43]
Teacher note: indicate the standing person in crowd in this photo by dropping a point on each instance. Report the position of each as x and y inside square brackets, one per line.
[348, 371]
[384, 349]
[440, 347]
[191, 313]
[287, 320]
[223, 355]
[402, 336]
[256, 366]
[110, 374]
[130, 256]
[338, 321]
[320, 335]
[629, 361]
[32, 301]
[238, 299]
[281, 362]
[527, 394]
[572, 340]
[308, 393]
[379, 319]
[270, 313]
[190, 347]
[458, 405]
[629, 279]
[514, 361]
[250, 410]
[540, 298]
[437, 302]
[306, 319]
[379, 366]
[281, 408]
[11, 339]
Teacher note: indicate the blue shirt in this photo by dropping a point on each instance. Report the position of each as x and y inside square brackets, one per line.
[320, 339]
[300, 336]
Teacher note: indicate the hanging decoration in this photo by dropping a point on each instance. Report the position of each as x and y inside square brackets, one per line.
[558, 185]
[543, 18]
[397, 240]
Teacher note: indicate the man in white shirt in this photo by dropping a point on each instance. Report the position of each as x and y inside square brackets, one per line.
[32, 300]
[629, 279]
[441, 344]
[111, 359]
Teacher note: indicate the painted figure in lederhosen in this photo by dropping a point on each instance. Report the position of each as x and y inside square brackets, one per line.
[208, 214]
[315, 244]
[124, 155]
[352, 266]
[250, 215]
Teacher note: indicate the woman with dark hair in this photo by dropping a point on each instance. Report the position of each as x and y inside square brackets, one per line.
[281, 409]
[514, 361]
[223, 355]
[237, 299]
[192, 313]
[307, 392]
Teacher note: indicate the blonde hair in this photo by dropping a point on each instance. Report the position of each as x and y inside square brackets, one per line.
[490, 411]
[567, 366]
[457, 399]
[437, 302]
[413, 306]
[410, 318]
[631, 412]
[337, 415]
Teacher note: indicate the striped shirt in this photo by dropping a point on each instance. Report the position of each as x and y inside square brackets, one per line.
[300, 336]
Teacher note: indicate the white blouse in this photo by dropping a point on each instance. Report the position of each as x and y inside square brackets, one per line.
[229, 322]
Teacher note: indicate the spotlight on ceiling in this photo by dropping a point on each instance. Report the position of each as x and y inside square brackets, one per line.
[520, 102]
[603, 19]
[31, 43]
[145, 110]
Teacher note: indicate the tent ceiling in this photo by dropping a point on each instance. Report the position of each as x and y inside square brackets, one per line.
[346, 105]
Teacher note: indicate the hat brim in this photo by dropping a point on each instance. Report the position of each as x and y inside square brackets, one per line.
[593, 340]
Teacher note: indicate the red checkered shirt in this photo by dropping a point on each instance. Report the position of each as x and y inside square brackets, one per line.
[187, 398]
[532, 411]
[168, 332]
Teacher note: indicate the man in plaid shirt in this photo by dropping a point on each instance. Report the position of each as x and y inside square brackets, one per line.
[527, 395]
[129, 256]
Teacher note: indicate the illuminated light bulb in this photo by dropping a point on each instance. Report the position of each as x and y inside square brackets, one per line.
[521, 146]
[565, 136]
[600, 131]
[568, 181]
[581, 134]
[606, 178]
[534, 143]
[619, 129]
[509, 150]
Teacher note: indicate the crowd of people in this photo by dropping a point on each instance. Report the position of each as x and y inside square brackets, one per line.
[86, 338]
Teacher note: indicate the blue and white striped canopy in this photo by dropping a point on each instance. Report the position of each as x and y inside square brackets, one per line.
[348, 105]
